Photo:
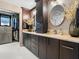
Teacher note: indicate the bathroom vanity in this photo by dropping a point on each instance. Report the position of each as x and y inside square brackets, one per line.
[55, 44]
[51, 46]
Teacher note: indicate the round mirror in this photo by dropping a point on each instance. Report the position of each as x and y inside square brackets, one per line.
[57, 15]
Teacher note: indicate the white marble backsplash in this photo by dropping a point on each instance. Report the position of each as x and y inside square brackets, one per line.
[66, 23]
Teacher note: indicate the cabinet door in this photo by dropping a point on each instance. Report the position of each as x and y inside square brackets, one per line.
[42, 47]
[52, 49]
[34, 44]
[26, 40]
[68, 50]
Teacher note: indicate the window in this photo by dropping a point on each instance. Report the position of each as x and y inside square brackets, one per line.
[5, 20]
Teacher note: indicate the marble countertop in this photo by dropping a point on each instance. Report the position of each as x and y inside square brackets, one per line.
[57, 36]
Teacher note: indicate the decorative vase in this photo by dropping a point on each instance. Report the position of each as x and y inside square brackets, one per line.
[30, 28]
[73, 29]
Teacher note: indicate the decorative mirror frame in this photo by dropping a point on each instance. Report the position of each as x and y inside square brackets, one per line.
[53, 6]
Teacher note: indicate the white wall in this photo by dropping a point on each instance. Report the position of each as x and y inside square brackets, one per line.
[8, 6]
[64, 28]
[14, 8]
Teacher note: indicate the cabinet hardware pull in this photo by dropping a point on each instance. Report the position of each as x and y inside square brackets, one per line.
[67, 47]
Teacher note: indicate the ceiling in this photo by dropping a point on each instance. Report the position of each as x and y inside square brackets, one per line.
[22, 3]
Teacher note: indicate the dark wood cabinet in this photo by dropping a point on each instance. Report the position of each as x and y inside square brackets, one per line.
[42, 47]
[52, 49]
[41, 17]
[69, 50]
[27, 40]
[31, 42]
[34, 44]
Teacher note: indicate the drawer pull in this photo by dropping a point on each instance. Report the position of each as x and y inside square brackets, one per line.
[67, 47]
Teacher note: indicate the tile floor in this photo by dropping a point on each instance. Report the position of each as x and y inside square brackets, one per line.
[14, 51]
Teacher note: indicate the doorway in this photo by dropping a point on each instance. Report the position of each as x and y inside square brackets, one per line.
[15, 27]
[9, 27]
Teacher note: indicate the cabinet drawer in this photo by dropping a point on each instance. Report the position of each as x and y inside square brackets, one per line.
[34, 50]
[70, 44]
[34, 45]
[68, 50]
